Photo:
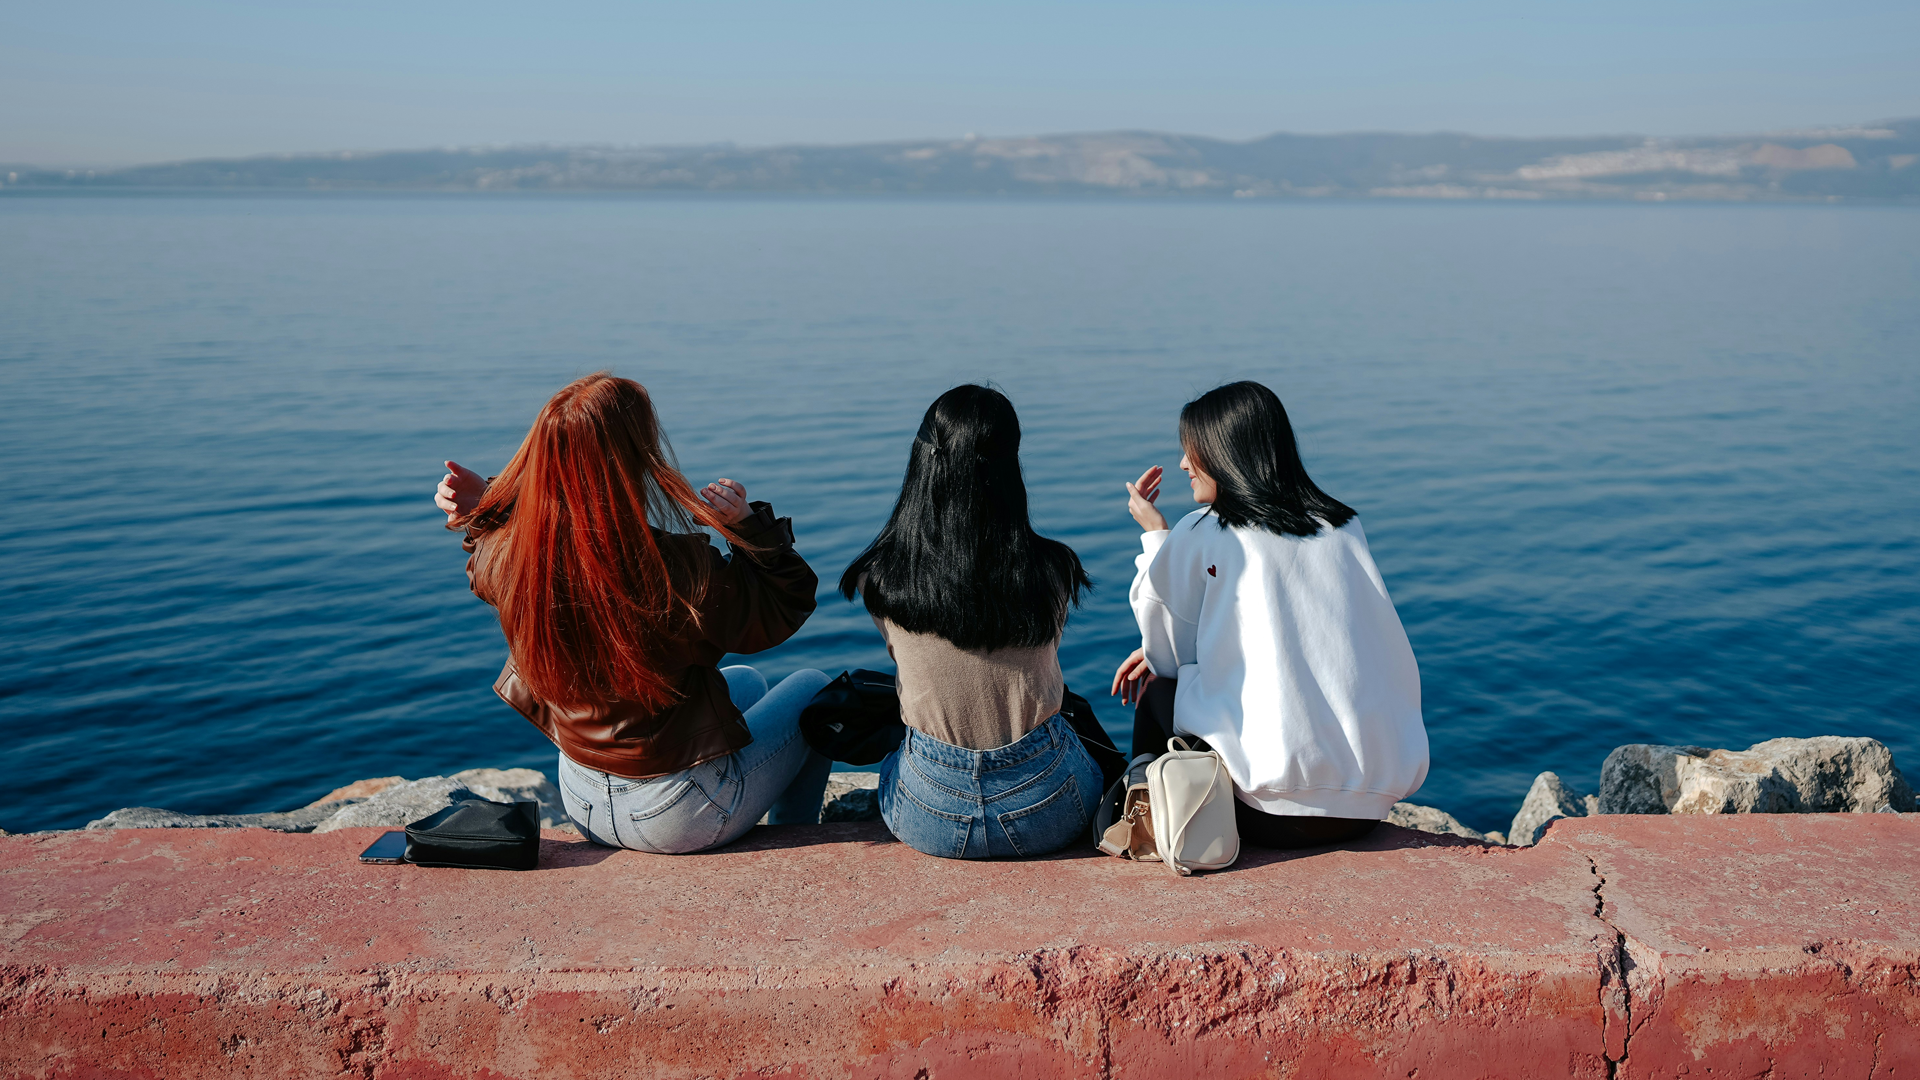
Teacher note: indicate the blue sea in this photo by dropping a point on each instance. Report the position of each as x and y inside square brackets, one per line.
[1631, 472]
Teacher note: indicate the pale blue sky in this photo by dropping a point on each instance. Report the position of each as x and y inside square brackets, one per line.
[84, 82]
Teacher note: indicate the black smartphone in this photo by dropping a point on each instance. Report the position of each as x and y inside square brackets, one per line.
[391, 848]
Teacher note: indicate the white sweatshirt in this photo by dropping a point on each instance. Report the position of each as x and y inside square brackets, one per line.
[1292, 663]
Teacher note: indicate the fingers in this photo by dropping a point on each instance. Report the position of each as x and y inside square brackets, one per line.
[728, 498]
[1126, 678]
[1150, 483]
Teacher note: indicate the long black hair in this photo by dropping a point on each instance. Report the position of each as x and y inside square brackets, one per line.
[1239, 435]
[958, 557]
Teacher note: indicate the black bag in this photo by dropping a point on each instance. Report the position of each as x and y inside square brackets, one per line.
[1098, 744]
[477, 835]
[855, 719]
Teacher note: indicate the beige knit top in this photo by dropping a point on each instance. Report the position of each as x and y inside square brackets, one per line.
[973, 699]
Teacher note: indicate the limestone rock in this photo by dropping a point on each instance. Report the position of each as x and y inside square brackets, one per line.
[1428, 819]
[1546, 800]
[517, 785]
[146, 817]
[851, 797]
[400, 804]
[386, 800]
[1495, 836]
[360, 789]
[1825, 774]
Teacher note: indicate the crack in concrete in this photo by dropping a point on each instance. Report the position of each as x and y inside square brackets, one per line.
[1613, 968]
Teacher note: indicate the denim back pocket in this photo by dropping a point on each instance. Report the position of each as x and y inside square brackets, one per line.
[1050, 824]
[650, 798]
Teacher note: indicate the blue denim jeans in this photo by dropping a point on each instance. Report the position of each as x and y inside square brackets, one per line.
[717, 801]
[1031, 797]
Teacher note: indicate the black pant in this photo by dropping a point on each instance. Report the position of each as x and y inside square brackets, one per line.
[1153, 726]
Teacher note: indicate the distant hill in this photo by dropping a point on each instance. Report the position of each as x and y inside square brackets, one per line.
[1880, 162]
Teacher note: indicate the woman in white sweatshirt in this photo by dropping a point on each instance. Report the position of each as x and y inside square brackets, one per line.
[1267, 632]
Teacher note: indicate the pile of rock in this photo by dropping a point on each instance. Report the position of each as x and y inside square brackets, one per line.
[388, 800]
[1827, 774]
[393, 801]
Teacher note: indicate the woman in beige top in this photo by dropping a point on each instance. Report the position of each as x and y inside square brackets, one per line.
[971, 602]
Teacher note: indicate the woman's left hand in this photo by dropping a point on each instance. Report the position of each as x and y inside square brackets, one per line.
[728, 499]
[1131, 680]
[459, 493]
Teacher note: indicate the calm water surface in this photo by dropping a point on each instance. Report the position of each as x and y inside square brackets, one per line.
[1631, 473]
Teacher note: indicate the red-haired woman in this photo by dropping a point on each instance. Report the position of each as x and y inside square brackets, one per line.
[617, 611]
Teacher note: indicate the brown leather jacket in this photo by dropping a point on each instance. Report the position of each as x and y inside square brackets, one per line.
[754, 601]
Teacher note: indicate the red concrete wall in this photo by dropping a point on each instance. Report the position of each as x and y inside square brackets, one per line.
[1625, 947]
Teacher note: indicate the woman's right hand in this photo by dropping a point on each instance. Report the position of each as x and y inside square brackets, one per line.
[728, 498]
[1131, 680]
[459, 493]
[1141, 494]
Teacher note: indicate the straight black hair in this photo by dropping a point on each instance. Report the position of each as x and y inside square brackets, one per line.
[1239, 435]
[958, 557]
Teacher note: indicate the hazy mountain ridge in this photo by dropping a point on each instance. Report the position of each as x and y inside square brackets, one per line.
[1874, 163]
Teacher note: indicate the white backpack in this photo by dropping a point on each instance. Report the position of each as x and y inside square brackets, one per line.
[1178, 810]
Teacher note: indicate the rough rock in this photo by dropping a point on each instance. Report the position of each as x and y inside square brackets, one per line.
[1428, 819]
[304, 819]
[1825, 774]
[401, 804]
[360, 789]
[385, 800]
[1495, 836]
[517, 785]
[851, 797]
[1547, 799]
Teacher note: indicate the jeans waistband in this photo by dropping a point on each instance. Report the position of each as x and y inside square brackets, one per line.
[1029, 746]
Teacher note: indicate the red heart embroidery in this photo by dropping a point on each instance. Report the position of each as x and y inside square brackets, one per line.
[1210, 572]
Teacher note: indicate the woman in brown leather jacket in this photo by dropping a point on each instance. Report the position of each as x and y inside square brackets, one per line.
[617, 611]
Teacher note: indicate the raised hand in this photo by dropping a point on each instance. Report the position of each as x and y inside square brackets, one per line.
[1141, 494]
[728, 499]
[1131, 680]
[459, 493]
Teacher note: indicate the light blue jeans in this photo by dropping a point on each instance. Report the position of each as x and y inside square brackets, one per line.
[717, 801]
[1030, 797]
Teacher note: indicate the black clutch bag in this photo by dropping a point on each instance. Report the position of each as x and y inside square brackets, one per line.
[477, 835]
[855, 719]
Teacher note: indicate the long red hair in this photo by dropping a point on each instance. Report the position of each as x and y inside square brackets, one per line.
[575, 562]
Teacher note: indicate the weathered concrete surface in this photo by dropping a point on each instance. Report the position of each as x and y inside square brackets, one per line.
[1760, 945]
[832, 951]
